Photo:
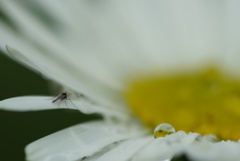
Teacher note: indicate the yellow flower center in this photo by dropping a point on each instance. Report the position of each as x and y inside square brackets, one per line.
[206, 102]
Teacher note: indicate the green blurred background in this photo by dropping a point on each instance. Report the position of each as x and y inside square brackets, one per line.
[21, 128]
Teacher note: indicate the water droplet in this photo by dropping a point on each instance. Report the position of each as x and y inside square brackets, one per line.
[208, 138]
[163, 130]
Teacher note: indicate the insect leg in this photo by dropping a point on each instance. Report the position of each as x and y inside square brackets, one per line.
[72, 103]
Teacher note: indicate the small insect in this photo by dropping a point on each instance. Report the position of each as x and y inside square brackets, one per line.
[63, 96]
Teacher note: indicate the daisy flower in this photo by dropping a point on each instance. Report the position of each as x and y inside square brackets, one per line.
[163, 74]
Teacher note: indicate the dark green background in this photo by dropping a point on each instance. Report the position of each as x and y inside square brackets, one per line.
[21, 128]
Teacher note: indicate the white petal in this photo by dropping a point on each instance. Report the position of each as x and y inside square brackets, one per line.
[125, 150]
[55, 71]
[164, 148]
[231, 57]
[157, 150]
[34, 103]
[22, 59]
[43, 38]
[77, 142]
[28, 103]
[221, 151]
[53, 58]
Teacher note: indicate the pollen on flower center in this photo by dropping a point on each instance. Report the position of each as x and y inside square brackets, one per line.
[207, 102]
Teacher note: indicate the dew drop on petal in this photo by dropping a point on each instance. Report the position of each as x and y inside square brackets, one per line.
[208, 138]
[163, 130]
